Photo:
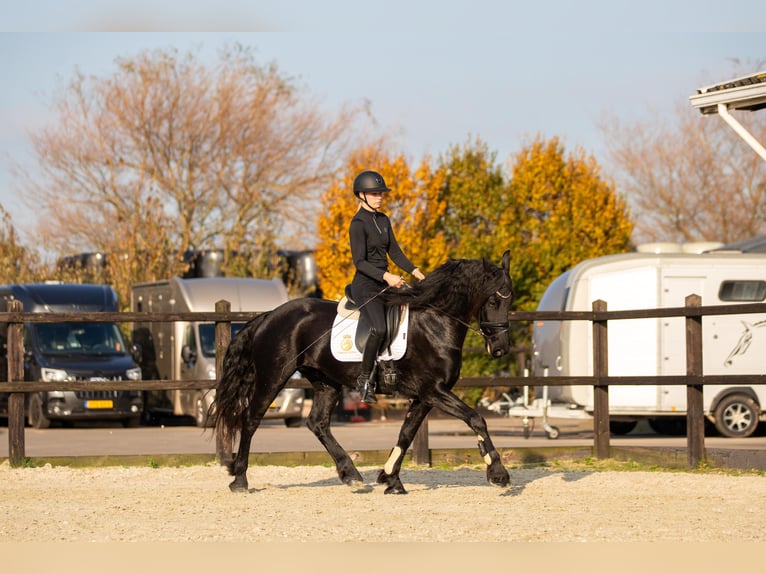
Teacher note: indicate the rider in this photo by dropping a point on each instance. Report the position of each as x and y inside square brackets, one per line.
[372, 240]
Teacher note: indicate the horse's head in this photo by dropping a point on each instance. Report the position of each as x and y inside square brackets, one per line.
[493, 315]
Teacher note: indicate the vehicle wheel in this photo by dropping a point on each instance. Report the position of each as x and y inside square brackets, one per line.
[293, 422]
[553, 433]
[671, 426]
[737, 416]
[201, 418]
[36, 416]
[621, 427]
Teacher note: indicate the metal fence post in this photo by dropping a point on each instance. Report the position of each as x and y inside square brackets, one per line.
[15, 350]
[223, 452]
[695, 416]
[600, 390]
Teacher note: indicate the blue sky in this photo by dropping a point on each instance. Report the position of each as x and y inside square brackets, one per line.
[435, 73]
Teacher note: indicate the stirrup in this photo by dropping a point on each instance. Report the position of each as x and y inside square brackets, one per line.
[366, 388]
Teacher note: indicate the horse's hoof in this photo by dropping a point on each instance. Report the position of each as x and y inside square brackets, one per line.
[501, 478]
[395, 490]
[500, 481]
[237, 486]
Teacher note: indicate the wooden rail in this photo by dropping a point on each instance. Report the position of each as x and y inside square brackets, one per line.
[694, 380]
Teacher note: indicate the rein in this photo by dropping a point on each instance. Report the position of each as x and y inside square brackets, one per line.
[498, 326]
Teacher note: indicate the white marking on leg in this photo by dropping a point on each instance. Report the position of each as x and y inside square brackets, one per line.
[388, 468]
[487, 458]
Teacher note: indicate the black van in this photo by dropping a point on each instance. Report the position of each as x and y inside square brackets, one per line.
[72, 351]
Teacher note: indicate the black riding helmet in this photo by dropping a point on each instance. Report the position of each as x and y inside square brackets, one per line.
[369, 181]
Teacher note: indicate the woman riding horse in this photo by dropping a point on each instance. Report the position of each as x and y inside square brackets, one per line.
[296, 336]
[372, 242]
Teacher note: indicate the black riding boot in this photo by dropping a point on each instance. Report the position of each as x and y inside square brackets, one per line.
[364, 382]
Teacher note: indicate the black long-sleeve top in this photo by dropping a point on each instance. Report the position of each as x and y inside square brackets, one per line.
[372, 238]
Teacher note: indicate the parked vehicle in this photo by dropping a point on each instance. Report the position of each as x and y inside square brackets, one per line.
[732, 344]
[184, 350]
[72, 351]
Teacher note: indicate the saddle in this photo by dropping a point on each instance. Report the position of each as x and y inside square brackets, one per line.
[393, 319]
[350, 332]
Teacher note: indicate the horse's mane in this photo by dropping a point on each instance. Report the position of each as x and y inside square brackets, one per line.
[451, 287]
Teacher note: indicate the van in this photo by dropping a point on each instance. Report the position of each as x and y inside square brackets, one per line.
[732, 344]
[185, 350]
[72, 351]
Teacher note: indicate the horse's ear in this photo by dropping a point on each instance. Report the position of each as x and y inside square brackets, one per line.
[507, 260]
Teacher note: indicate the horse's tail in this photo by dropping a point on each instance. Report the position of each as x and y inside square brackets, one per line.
[236, 385]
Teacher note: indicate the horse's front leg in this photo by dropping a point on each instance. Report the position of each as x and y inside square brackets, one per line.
[325, 400]
[450, 403]
[389, 475]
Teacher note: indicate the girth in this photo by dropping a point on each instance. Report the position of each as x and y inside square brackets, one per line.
[393, 318]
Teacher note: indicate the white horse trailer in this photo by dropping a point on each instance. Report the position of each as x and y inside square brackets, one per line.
[732, 344]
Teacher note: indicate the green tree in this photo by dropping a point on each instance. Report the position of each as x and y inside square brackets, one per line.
[473, 190]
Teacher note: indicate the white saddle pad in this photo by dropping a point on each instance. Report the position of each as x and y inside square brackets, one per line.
[343, 337]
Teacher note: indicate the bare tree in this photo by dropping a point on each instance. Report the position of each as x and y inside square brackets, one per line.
[690, 179]
[168, 154]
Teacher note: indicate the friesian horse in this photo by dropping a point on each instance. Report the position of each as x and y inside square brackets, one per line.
[296, 336]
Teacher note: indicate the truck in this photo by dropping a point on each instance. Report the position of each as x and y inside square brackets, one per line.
[185, 350]
[72, 351]
[732, 344]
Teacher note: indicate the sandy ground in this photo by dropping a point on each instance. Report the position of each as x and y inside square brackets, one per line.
[309, 504]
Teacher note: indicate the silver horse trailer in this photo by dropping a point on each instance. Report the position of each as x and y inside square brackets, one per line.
[185, 350]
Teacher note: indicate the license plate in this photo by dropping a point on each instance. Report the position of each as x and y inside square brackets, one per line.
[99, 404]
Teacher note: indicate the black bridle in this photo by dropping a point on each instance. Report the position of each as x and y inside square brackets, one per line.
[493, 328]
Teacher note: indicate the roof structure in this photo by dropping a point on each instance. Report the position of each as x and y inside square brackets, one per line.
[746, 93]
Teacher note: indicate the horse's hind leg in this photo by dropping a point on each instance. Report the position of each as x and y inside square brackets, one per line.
[238, 467]
[325, 400]
[253, 416]
[389, 475]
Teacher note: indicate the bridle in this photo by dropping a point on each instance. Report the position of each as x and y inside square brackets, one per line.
[493, 328]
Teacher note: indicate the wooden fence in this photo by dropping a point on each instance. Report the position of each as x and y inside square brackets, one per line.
[599, 316]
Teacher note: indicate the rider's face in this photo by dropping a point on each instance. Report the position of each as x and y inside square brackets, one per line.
[374, 199]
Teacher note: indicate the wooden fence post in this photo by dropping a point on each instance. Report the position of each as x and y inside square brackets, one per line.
[695, 416]
[223, 452]
[15, 350]
[421, 453]
[600, 391]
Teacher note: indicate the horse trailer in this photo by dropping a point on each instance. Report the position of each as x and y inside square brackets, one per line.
[185, 350]
[732, 344]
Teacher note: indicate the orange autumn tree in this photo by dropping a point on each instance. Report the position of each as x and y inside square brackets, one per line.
[559, 211]
[413, 206]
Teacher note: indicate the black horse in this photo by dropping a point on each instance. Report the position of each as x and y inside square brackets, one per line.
[296, 336]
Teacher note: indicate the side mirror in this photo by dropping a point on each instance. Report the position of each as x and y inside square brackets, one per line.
[188, 355]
